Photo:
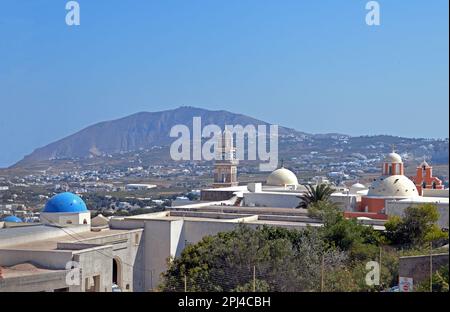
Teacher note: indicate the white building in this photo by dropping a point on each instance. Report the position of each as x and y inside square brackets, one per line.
[130, 252]
[139, 187]
[439, 198]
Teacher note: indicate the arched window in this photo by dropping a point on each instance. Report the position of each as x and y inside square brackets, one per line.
[424, 184]
[117, 272]
[433, 185]
[114, 275]
[84, 221]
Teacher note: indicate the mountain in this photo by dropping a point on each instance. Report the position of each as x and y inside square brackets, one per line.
[119, 141]
[138, 131]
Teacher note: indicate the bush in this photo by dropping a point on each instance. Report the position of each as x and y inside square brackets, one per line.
[416, 228]
[439, 282]
[284, 260]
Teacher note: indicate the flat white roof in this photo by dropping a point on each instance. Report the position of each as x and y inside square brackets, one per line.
[339, 194]
[238, 188]
[279, 192]
[264, 189]
[421, 199]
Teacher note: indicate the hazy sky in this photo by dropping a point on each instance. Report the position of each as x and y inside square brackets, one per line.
[311, 65]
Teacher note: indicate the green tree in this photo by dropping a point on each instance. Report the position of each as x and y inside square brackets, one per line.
[340, 231]
[439, 281]
[340, 280]
[323, 209]
[416, 228]
[225, 262]
[258, 285]
[315, 194]
[285, 259]
[122, 212]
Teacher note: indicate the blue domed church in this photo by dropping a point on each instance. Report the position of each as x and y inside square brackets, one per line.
[65, 209]
[12, 219]
[65, 251]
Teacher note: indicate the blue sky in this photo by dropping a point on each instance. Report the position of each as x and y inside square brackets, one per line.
[307, 64]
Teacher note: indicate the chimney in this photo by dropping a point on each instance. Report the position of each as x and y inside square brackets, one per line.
[254, 187]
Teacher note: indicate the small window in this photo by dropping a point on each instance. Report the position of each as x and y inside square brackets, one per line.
[68, 222]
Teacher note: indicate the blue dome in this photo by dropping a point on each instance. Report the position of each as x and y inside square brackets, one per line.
[65, 202]
[12, 219]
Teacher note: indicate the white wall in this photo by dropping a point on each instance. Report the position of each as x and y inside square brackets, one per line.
[397, 208]
[127, 250]
[48, 259]
[177, 238]
[346, 202]
[96, 262]
[435, 193]
[263, 199]
[157, 250]
[194, 231]
[56, 218]
[23, 236]
[168, 238]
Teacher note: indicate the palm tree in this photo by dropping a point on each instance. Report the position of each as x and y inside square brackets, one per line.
[315, 194]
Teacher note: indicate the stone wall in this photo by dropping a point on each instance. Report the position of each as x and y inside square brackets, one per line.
[418, 267]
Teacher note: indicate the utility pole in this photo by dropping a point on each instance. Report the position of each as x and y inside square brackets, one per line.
[151, 279]
[185, 283]
[431, 266]
[254, 278]
[322, 273]
[379, 262]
